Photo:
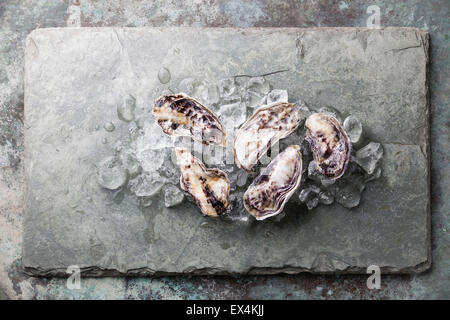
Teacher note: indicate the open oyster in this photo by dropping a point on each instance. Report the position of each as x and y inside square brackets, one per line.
[270, 191]
[330, 145]
[262, 130]
[210, 188]
[180, 115]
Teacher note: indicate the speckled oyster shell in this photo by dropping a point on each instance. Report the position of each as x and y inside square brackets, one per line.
[270, 191]
[330, 144]
[262, 130]
[181, 115]
[210, 188]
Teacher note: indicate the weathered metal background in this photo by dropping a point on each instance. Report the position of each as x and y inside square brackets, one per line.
[18, 18]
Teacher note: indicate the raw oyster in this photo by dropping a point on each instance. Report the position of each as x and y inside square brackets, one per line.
[210, 188]
[330, 144]
[270, 191]
[181, 115]
[262, 130]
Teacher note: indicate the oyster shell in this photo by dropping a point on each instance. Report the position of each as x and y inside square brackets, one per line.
[270, 191]
[181, 115]
[330, 144]
[262, 130]
[210, 188]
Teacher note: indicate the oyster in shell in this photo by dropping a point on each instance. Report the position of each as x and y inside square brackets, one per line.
[210, 188]
[330, 144]
[262, 130]
[181, 115]
[270, 191]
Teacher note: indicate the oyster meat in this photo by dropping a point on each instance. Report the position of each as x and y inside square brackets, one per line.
[330, 144]
[210, 188]
[270, 191]
[262, 130]
[181, 115]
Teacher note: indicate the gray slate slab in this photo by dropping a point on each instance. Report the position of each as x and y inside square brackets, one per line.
[74, 76]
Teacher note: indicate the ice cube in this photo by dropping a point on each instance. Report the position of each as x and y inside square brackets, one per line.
[348, 196]
[110, 173]
[312, 203]
[206, 93]
[152, 137]
[315, 175]
[326, 182]
[305, 112]
[237, 213]
[186, 86]
[368, 156]
[310, 196]
[254, 100]
[326, 197]
[172, 196]
[241, 178]
[170, 169]
[212, 155]
[313, 171]
[213, 95]
[276, 96]
[233, 177]
[147, 184]
[134, 131]
[353, 128]
[125, 109]
[375, 175]
[130, 163]
[150, 159]
[232, 115]
[227, 87]
[258, 85]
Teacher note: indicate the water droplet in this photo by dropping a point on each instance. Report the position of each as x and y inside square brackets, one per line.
[164, 75]
[64, 131]
[109, 126]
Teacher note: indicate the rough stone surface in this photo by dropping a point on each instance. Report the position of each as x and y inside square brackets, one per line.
[75, 77]
[19, 18]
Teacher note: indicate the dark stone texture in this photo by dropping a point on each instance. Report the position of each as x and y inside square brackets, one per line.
[429, 15]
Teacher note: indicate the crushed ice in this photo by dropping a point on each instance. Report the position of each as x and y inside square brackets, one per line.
[144, 163]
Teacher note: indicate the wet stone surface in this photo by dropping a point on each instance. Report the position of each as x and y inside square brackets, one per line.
[118, 188]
